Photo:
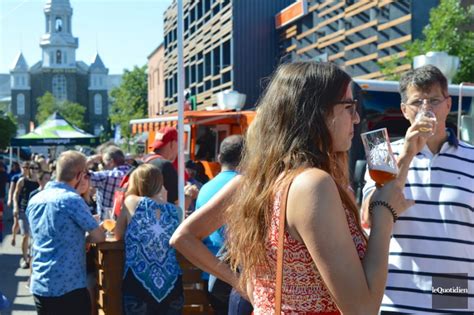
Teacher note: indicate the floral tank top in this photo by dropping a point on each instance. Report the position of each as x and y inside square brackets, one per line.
[147, 251]
[304, 291]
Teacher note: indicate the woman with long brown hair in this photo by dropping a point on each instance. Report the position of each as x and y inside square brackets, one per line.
[300, 136]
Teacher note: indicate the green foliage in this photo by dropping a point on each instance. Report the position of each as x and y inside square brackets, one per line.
[7, 129]
[72, 112]
[446, 32]
[130, 99]
[4, 107]
[389, 67]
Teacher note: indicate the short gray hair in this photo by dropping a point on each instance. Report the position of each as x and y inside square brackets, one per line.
[423, 78]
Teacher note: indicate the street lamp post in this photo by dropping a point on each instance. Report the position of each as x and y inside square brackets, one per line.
[180, 108]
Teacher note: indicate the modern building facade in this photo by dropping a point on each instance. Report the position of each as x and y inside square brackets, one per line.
[357, 35]
[156, 86]
[228, 44]
[60, 73]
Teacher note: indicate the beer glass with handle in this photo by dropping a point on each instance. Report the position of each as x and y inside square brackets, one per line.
[381, 162]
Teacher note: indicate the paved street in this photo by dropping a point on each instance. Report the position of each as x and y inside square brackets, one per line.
[13, 279]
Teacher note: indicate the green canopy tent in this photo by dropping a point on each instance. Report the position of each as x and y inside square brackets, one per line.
[55, 131]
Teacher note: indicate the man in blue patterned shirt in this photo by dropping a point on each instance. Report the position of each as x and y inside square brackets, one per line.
[59, 219]
[107, 181]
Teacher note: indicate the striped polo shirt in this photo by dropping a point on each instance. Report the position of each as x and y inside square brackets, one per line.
[436, 235]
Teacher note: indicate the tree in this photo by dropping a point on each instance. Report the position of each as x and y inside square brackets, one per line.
[7, 129]
[130, 99]
[72, 112]
[445, 32]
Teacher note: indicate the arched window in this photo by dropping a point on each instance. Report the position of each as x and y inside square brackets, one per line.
[58, 57]
[20, 104]
[60, 87]
[98, 104]
[59, 24]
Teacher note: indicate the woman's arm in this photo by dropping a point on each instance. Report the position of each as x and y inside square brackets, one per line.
[317, 218]
[11, 191]
[128, 208]
[187, 239]
[16, 196]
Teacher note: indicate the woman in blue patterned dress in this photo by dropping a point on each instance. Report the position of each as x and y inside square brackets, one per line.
[152, 276]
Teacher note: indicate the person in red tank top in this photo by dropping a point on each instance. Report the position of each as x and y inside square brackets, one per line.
[300, 136]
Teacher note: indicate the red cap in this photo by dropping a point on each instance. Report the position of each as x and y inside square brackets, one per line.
[164, 136]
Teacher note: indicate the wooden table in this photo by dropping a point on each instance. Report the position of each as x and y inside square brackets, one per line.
[109, 263]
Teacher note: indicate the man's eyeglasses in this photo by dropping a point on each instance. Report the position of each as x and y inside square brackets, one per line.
[435, 101]
[34, 168]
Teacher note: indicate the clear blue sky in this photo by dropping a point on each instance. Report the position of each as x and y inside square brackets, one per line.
[124, 32]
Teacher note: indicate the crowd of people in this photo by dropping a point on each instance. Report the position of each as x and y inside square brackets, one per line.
[290, 170]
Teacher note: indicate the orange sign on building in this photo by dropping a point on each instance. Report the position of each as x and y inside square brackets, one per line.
[291, 13]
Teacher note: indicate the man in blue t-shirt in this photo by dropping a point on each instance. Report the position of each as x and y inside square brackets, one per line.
[229, 157]
[59, 219]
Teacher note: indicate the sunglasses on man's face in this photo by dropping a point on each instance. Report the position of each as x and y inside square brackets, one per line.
[34, 168]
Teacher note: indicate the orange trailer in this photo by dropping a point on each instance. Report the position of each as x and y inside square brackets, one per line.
[198, 125]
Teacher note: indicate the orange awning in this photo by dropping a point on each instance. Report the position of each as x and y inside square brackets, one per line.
[206, 118]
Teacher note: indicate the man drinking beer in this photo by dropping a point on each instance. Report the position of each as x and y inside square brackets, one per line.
[434, 236]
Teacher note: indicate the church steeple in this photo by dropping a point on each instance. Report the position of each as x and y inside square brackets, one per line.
[20, 64]
[58, 44]
[20, 78]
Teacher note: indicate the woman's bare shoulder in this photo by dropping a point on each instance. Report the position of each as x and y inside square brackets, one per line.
[313, 179]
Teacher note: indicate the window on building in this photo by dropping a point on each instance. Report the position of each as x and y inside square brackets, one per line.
[199, 11]
[60, 87]
[186, 77]
[59, 24]
[58, 57]
[200, 72]
[20, 104]
[216, 54]
[373, 14]
[98, 104]
[193, 73]
[385, 14]
[207, 64]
